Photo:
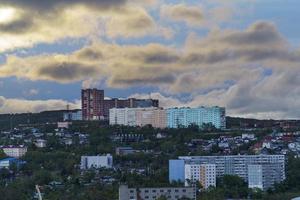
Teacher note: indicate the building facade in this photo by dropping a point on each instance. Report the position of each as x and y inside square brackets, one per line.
[8, 162]
[270, 168]
[126, 193]
[96, 107]
[177, 117]
[205, 174]
[127, 103]
[14, 151]
[96, 162]
[208, 177]
[138, 117]
[92, 101]
[72, 115]
[177, 170]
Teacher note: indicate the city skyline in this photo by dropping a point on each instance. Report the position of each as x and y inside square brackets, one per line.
[242, 55]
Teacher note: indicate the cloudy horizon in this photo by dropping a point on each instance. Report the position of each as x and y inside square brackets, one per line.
[243, 55]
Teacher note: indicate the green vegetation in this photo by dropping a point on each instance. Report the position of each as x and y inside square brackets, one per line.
[56, 167]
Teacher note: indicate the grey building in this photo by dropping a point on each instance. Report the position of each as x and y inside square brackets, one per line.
[258, 170]
[172, 193]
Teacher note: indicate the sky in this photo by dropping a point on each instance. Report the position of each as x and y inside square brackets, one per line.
[242, 54]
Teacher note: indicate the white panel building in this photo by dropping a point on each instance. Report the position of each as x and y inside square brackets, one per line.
[138, 117]
[14, 151]
[96, 162]
[260, 171]
[208, 177]
[205, 174]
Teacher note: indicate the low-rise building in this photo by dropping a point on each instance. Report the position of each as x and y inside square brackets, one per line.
[171, 193]
[15, 151]
[96, 162]
[72, 115]
[121, 151]
[40, 143]
[8, 162]
[65, 125]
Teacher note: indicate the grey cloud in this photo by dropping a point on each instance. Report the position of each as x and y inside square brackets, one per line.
[90, 54]
[157, 80]
[46, 5]
[260, 33]
[160, 58]
[22, 105]
[18, 26]
[66, 71]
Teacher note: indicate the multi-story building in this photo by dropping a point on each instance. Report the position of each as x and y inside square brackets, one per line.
[15, 151]
[8, 162]
[121, 151]
[205, 174]
[176, 170]
[272, 168]
[40, 143]
[95, 107]
[72, 115]
[198, 116]
[208, 177]
[171, 193]
[191, 174]
[92, 101]
[138, 117]
[90, 162]
[127, 103]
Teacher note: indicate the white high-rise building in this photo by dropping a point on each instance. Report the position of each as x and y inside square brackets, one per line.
[205, 174]
[177, 117]
[260, 171]
[255, 176]
[89, 162]
[191, 174]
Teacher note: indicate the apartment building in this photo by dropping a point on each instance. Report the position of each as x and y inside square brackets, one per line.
[208, 177]
[202, 115]
[72, 115]
[171, 193]
[15, 151]
[96, 107]
[271, 168]
[92, 101]
[8, 162]
[138, 117]
[96, 162]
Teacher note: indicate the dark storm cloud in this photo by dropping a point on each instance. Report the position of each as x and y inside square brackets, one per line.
[164, 79]
[66, 71]
[18, 26]
[46, 5]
